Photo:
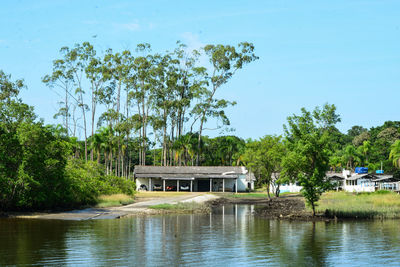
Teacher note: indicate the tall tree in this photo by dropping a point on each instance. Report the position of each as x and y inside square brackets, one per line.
[225, 60]
[308, 158]
[62, 78]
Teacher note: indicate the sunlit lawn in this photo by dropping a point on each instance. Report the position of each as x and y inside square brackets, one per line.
[184, 207]
[114, 200]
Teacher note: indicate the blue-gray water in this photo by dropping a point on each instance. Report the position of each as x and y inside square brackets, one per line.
[231, 236]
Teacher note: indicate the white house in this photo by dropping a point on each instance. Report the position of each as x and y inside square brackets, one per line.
[353, 182]
[197, 179]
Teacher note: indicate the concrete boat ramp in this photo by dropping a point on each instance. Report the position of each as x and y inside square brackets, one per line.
[139, 208]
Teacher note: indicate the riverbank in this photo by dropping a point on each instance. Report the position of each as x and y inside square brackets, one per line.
[345, 205]
[332, 206]
[146, 203]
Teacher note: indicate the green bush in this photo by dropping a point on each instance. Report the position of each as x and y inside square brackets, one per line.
[88, 182]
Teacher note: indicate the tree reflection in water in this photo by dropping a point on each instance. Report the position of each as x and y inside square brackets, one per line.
[230, 236]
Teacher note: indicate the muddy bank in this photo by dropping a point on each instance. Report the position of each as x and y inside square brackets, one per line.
[139, 208]
[290, 207]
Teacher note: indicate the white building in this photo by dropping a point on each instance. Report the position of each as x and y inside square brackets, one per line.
[353, 182]
[197, 179]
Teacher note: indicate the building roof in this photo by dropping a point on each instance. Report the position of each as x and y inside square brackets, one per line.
[171, 172]
[335, 175]
[372, 176]
[384, 178]
[361, 176]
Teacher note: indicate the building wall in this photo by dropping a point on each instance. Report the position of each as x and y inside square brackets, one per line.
[292, 188]
[360, 185]
[216, 183]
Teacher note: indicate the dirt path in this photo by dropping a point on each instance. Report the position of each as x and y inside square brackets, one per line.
[138, 208]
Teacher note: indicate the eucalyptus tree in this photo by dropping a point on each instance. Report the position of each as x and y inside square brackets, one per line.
[71, 70]
[191, 78]
[163, 78]
[225, 60]
[143, 93]
[117, 70]
[95, 73]
[62, 78]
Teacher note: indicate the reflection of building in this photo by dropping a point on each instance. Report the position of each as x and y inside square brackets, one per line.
[202, 179]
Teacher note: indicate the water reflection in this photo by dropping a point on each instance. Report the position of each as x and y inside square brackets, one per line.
[230, 236]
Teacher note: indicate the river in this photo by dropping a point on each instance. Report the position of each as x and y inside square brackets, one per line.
[230, 236]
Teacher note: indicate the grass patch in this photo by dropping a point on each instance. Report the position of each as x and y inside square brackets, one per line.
[114, 200]
[380, 204]
[182, 207]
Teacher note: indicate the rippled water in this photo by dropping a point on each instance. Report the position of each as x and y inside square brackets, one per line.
[231, 236]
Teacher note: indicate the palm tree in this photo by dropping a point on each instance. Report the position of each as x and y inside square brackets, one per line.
[106, 136]
[365, 149]
[395, 153]
[95, 142]
[350, 155]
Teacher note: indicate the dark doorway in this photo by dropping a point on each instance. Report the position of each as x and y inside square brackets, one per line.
[203, 185]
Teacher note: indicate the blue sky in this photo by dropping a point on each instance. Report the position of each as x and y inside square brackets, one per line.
[345, 52]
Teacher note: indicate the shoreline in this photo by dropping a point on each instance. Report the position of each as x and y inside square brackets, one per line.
[142, 207]
[286, 207]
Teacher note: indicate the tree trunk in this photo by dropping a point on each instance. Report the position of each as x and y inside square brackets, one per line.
[199, 140]
[313, 208]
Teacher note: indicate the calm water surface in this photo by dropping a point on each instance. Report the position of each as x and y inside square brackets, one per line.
[231, 236]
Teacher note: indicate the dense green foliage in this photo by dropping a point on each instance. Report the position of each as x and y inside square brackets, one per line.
[263, 157]
[36, 169]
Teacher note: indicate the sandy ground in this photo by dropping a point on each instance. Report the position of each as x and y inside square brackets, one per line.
[139, 208]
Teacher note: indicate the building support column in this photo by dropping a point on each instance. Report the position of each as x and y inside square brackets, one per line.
[191, 185]
[163, 185]
[210, 184]
[177, 185]
[150, 188]
[223, 185]
[236, 185]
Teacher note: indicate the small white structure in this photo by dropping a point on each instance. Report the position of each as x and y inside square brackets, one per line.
[358, 182]
[290, 187]
[353, 182]
[197, 179]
